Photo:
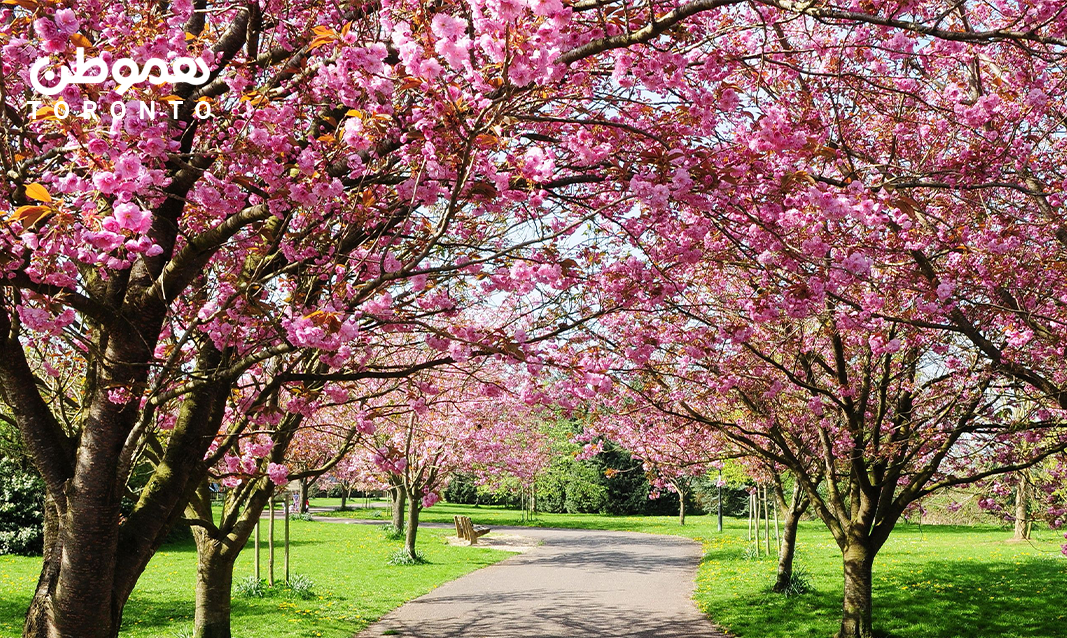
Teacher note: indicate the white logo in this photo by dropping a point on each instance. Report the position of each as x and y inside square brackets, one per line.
[124, 71]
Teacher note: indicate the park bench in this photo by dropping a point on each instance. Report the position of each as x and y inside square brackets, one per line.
[469, 531]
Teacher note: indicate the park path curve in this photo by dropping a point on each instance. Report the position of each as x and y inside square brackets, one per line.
[576, 584]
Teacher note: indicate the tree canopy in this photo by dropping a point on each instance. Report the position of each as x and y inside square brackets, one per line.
[844, 217]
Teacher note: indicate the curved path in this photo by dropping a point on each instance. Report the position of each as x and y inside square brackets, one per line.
[576, 584]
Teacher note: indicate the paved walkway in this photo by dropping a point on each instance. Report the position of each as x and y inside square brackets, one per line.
[576, 584]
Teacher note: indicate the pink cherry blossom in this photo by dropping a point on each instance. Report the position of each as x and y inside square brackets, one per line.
[66, 22]
[133, 218]
[279, 474]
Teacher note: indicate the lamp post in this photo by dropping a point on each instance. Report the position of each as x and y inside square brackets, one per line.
[719, 484]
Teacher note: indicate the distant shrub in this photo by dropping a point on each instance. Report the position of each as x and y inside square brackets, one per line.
[21, 510]
[706, 497]
[462, 489]
[571, 486]
[612, 482]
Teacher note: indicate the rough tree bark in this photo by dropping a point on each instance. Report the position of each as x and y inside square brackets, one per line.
[96, 556]
[679, 487]
[303, 506]
[412, 530]
[794, 509]
[217, 548]
[399, 499]
[214, 581]
[1022, 508]
[858, 562]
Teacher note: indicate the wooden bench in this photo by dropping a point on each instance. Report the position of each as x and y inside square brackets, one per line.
[469, 531]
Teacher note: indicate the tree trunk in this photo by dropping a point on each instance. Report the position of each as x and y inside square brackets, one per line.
[217, 549]
[38, 616]
[214, 580]
[344, 498]
[856, 613]
[413, 527]
[66, 604]
[399, 499]
[793, 511]
[51, 524]
[63, 605]
[82, 594]
[787, 551]
[681, 505]
[1022, 508]
[34, 627]
[303, 496]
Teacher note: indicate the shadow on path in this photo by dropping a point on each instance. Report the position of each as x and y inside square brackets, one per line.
[577, 584]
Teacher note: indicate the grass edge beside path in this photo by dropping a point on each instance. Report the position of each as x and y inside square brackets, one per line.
[929, 581]
[354, 585]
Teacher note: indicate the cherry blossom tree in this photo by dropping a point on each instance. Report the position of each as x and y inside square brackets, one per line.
[295, 440]
[367, 165]
[674, 447]
[879, 426]
[868, 197]
[1022, 498]
[461, 419]
[301, 434]
[348, 476]
[151, 264]
[882, 411]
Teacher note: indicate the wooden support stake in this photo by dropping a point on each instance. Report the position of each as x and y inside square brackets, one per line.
[287, 540]
[766, 522]
[749, 517]
[270, 545]
[755, 509]
[257, 551]
[777, 535]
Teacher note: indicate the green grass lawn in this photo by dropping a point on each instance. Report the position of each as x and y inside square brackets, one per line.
[493, 515]
[354, 584]
[355, 503]
[929, 581]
